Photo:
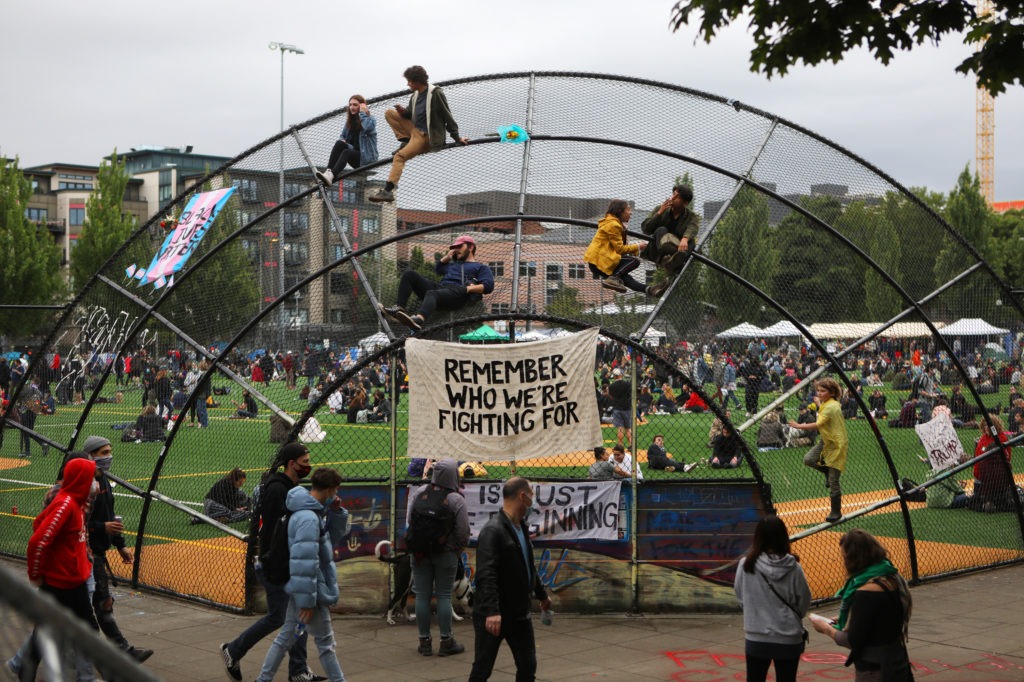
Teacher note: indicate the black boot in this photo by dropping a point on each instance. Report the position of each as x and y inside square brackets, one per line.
[837, 509]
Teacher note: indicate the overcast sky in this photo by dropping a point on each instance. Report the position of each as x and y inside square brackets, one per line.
[81, 78]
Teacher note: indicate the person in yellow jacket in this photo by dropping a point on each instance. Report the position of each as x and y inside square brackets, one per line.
[829, 454]
[611, 258]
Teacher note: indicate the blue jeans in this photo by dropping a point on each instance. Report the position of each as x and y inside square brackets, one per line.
[323, 634]
[434, 574]
[277, 606]
[201, 415]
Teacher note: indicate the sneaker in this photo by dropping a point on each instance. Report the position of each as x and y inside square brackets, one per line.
[675, 263]
[615, 284]
[656, 290]
[687, 468]
[382, 195]
[24, 455]
[140, 655]
[414, 322]
[308, 676]
[231, 665]
[449, 647]
[326, 176]
[425, 648]
[394, 313]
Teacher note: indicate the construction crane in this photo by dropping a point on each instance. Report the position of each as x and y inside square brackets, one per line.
[985, 129]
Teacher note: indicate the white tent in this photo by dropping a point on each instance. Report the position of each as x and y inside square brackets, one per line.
[741, 331]
[972, 326]
[652, 337]
[855, 330]
[374, 341]
[781, 328]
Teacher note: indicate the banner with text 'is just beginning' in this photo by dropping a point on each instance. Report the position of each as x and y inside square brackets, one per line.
[496, 402]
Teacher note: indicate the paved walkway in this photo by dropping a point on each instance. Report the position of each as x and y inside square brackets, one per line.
[968, 629]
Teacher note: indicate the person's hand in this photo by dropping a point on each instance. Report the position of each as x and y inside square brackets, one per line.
[792, 424]
[684, 244]
[363, 109]
[305, 615]
[400, 109]
[545, 604]
[821, 624]
[664, 205]
[113, 527]
[463, 140]
[126, 555]
[493, 625]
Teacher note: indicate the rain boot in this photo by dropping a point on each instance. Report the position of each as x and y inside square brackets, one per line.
[837, 509]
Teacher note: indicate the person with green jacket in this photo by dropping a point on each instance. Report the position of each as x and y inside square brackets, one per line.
[420, 128]
[673, 229]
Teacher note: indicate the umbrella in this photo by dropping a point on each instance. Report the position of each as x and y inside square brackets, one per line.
[484, 334]
[994, 351]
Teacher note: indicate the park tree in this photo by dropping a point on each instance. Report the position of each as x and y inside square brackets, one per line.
[743, 242]
[30, 271]
[815, 31]
[968, 213]
[566, 303]
[106, 227]
[883, 245]
[1006, 246]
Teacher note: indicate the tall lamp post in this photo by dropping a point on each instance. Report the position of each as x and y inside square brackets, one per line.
[282, 48]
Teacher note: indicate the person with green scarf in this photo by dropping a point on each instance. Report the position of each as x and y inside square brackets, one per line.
[874, 613]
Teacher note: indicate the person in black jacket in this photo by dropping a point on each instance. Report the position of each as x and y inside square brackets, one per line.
[106, 531]
[225, 501]
[506, 577]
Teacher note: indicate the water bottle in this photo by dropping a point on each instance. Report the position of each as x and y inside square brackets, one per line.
[300, 629]
[547, 616]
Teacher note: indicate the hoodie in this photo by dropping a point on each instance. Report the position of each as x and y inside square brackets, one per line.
[57, 551]
[445, 474]
[765, 617]
[313, 578]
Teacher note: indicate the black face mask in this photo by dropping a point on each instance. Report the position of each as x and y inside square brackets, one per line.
[303, 471]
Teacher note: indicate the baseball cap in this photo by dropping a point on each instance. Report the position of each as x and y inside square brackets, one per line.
[616, 372]
[464, 239]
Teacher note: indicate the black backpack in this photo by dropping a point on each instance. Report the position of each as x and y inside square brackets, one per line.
[275, 557]
[431, 521]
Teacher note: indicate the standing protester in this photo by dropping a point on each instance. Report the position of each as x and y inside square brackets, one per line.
[106, 531]
[828, 455]
[621, 392]
[438, 523]
[874, 615]
[419, 129]
[772, 589]
[270, 507]
[611, 259]
[463, 281]
[673, 230]
[57, 555]
[30, 404]
[313, 579]
[506, 578]
[357, 145]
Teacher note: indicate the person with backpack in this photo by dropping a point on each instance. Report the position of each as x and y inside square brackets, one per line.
[293, 459]
[312, 585]
[437, 522]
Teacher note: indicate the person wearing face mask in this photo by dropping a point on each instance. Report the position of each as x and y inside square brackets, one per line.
[463, 281]
[506, 577]
[293, 462]
[106, 532]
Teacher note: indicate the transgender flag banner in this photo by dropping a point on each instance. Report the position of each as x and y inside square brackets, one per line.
[178, 247]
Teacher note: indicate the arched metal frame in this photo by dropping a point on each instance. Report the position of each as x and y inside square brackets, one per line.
[351, 256]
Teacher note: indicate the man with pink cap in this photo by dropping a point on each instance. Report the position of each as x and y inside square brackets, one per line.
[463, 281]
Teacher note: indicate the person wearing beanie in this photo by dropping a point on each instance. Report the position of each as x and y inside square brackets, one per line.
[105, 532]
[294, 464]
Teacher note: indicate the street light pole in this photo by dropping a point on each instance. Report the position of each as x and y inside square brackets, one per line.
[282, 48]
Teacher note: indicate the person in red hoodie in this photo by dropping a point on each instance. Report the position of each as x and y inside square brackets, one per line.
[58, 559]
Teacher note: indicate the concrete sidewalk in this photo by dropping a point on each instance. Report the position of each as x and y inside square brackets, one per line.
[968, 629]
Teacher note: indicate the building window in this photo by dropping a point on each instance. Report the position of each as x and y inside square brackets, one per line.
[76, 215]
[300, 316]
[295, 253]
[36, 214]
[339, 251]
[339, 283]
[549, 296]
[577, 271]
[553, 272]
[497, 267]
[523, 269]
[291, 189]
[74, 185]
[295, 223]
[246, 187]
[339, 316]
[252, 249]
[371, 225]
[500, 308]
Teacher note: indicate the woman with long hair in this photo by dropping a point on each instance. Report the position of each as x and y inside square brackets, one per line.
[772, 589]
[357, 145]
[874, 614]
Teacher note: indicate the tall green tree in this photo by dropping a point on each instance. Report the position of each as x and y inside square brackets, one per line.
[883, 245]
[566, 303]
[968, 213]
[743, 242]
[106, 225]
[1006, 246]
[815, 31]
[30, 269]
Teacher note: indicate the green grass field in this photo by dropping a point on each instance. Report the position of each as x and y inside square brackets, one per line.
[200, 456]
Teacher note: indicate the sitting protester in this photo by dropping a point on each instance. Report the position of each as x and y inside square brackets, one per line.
[770, 433]
[149, 426]
[381, 411]
[660, 460]
[225, 501]
[727, 451]
[601, 469]
[907, 418]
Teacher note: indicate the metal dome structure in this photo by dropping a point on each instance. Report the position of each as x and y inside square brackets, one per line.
[856, 276]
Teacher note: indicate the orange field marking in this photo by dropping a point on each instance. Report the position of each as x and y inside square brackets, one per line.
[13, 463]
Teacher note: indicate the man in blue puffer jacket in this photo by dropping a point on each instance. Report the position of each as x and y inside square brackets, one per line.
[313, 583]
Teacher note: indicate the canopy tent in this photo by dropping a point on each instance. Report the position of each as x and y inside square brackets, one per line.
[856, 330]
[532, 335]
[652, 337]
[374, 341]
[744, 330]
[994, 351]
[483, 334]
[781, 328]
[972, 326]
